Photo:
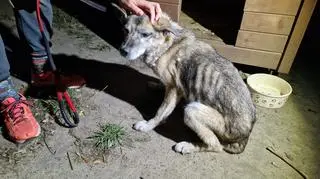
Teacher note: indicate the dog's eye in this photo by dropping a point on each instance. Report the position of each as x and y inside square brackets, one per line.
[146, 34]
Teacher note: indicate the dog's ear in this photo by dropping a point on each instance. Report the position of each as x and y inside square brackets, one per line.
[164, 24]
[120, 13]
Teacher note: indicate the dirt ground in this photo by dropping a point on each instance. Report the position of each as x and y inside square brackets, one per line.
[119, 92]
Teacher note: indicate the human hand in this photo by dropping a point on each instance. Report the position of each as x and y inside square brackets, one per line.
[140, 7]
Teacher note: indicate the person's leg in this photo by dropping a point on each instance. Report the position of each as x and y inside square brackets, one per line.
[17, 116]
[4, 64]
[6, 87]
[28, 28]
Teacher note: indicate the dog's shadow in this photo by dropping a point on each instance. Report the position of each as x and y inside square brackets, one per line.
[129, 85]
[124, 83]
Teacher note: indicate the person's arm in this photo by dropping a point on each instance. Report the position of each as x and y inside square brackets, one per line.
[140, 7]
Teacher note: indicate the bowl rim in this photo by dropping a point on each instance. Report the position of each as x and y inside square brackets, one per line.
[273, 76]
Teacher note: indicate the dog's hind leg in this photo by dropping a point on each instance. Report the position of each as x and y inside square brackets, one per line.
[206, 122]
[169, 103]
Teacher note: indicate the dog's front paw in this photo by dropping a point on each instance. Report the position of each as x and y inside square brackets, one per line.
[142, 126]
[184, 147]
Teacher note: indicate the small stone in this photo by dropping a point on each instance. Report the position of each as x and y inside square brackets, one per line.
[98, 162]
[47, 118]
[274, 164]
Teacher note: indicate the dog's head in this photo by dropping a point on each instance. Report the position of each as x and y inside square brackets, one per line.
[142, 35]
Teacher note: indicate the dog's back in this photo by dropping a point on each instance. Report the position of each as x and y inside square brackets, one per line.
[210, 79]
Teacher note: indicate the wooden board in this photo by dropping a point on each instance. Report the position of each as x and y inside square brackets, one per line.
[297, 35]
[261, 41]
[270, 23]
[288, 7]
[248, 56]
[212, 42]
[173, 10]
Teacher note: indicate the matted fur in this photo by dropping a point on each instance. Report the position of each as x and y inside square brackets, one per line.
[219, 110]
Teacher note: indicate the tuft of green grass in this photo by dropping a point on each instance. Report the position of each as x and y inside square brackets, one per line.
[49, 106]
[108, 136]
[42, 107]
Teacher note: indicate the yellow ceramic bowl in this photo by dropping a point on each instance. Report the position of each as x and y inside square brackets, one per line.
[268, 90]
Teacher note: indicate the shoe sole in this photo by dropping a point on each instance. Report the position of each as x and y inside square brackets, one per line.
[76, 87]
[37, 134]
[52, 85]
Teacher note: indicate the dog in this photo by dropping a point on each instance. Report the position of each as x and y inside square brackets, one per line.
[219, 106]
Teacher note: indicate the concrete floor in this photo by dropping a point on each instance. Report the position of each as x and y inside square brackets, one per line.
[292, 131]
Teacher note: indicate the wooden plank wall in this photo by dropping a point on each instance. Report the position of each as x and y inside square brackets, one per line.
[263, 39]
[265, 26]
[264, 31]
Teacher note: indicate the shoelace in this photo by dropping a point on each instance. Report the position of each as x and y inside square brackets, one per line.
[15, 110]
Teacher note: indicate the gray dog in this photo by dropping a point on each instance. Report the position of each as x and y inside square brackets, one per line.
[219, 110]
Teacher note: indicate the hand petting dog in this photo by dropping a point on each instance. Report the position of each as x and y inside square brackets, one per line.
[140, 7]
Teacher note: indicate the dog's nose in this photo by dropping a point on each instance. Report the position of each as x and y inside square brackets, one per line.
[123, 52]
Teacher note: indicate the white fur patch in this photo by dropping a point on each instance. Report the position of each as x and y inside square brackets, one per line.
[142, 126]
[195, 105]
[184, 147]
[135, 53]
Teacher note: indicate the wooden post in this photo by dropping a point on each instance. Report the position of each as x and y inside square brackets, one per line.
[297, 35]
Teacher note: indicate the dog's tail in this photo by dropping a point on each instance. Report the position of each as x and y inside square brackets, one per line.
[237, 147]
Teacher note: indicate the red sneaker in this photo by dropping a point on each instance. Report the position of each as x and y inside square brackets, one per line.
[48, 79]
[18, 119]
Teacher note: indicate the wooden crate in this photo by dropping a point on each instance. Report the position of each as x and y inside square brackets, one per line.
[269, 36]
